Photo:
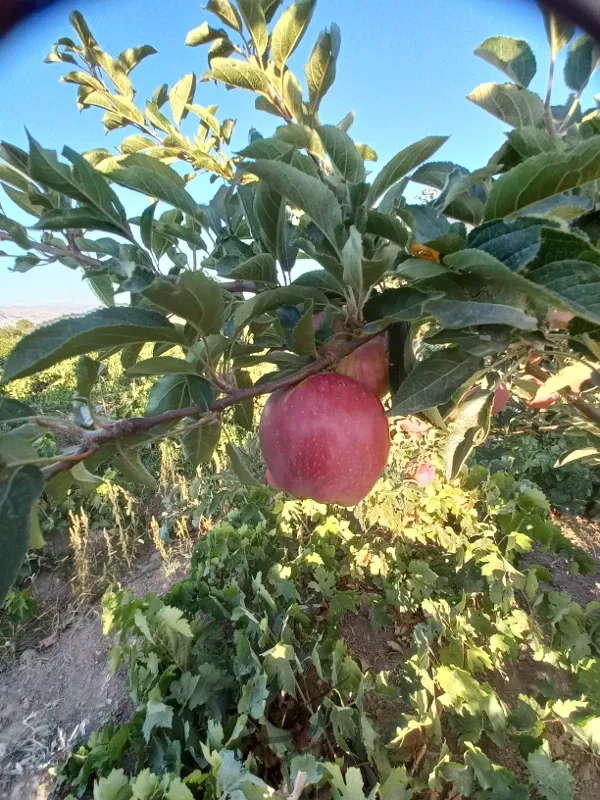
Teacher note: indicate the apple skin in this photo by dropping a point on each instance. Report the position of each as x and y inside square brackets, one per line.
[369, 365]
[423, 474]
[501, 398]
[326, 438]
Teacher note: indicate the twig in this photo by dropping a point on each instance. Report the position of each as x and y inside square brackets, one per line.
[299, 785]
[96, 263]
[92, 441]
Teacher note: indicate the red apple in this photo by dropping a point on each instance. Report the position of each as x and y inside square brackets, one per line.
[544, 401]
[501, 397]
[413, 426]
[557, 320]
[326, 438]
[423, 474]
[369, 365]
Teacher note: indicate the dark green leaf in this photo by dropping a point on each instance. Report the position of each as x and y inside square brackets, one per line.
[261, 268]
[146, 174]
[237, 459]
[287, 250]
[401, 164]
[510, 103]
[15, 230]
[243, 413]
[178, 391]
[195, 297]
[582, 60]
[303, 335]
[394, 305]
[352, 261]
[387, 226]
[73, 336]
[435, 173]
[18, 493]
[543, 176]
[320, 279]
[87, 373]
[102, 286]
[271, 148]
[274, 298]
[321, 65]
[267, 207]
[162, 365]
[129, 464]
[514, 243]
[11, 409]
[200, 443]
[68, 218]
[305, 192]
[290, 29]
[433, 381]
[558, 29]
[131, 57]
[465, 314]
[342, 152]
[513, 56]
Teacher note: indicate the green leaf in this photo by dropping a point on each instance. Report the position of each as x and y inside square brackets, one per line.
[558, 29]
[366, 152]
[469, 429]
[73, 336]
[129, 464]
[146, 174]
[11, 409]
[178, 791]
[239, 74]
[200, 443]
[342, 152]
[433, 381]
[394, 305]
[15, 230]
[352, 261]
[237, 459]
[274, 298]
[115, 787]
[158, 714]
[543, 176]
[303, 335]
[435, 173]
[517, 107]
[397, 785]
[87, 373]
[254, 696]
[195, 297]
[321, 66]
[553, 779]
[277, 663]
[130, 58]
[309, 194]
[271, 148]
[387, 226]
[162, 365]
[68, 218]
[260, 268]
[289, 30]
[465, 314]
[204, 34]
[178, 391]
[287, 251]
[82, 183]
[243, 413]
[401, 164]
[254, 17]
[18, 494]
[581, 62]
[181, 95]
[513, 56]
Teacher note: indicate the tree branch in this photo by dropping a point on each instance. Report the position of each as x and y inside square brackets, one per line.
[91, 441]
[95, 263]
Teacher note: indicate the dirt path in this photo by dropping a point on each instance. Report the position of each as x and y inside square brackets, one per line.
[51, 698]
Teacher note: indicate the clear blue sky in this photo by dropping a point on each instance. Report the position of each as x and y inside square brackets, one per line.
[404, 69]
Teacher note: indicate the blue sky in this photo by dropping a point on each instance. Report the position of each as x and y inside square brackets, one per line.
[405, 67]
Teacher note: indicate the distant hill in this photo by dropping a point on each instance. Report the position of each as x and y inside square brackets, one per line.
[10, 315]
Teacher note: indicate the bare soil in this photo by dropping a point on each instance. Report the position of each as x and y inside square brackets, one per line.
[60, 690]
